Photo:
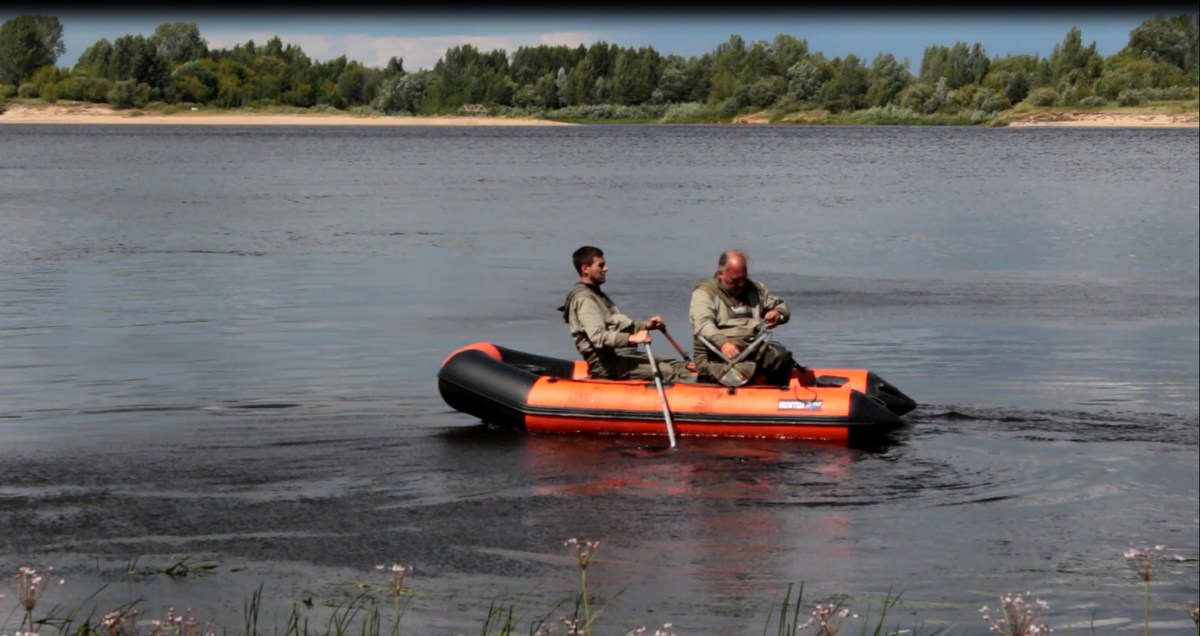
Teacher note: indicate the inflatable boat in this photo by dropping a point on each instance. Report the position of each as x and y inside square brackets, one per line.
[535, 393]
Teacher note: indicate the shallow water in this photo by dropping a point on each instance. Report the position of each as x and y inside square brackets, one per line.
[220, 347]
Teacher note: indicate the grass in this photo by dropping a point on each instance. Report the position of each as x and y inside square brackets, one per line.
[379, 609]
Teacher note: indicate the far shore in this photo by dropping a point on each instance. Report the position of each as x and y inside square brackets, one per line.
[74, 113]
[85, 113]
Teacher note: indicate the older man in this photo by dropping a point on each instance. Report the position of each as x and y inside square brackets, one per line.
[727, 309]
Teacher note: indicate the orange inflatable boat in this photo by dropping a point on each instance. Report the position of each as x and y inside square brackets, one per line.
[535, 393]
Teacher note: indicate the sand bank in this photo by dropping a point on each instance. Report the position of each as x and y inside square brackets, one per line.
[1145, 119]
[80, 113]
[84, 113]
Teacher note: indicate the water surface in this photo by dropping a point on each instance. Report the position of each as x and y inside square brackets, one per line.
[220, 345]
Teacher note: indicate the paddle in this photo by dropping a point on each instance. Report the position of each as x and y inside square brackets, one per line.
[686, 357]
[662, 395]
[737, 371]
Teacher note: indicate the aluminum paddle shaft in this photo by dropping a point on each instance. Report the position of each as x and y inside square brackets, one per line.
[662, 395]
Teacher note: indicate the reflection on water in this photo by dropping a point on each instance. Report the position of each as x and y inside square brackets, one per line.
[223, 344]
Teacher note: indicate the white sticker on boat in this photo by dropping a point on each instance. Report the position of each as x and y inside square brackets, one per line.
[800, 405]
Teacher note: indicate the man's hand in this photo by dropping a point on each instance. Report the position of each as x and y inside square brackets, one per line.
[655, 322]
[639, 337]
[730, 350]
[772, 318]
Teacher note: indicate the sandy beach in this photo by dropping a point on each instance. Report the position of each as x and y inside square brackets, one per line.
[1147, 119]
[85, 113]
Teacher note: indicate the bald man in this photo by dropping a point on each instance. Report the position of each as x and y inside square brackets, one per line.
[727, 308]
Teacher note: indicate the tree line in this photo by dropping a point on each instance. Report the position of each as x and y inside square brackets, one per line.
[174, 66]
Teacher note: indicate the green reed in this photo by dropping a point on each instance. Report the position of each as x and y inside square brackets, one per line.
[377, 609]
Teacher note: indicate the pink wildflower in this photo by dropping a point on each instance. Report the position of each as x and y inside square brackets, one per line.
[1017, 617]
[583, 550]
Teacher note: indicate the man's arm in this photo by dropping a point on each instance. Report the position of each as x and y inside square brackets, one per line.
[702, 311]
[771, 302]
[592, 319]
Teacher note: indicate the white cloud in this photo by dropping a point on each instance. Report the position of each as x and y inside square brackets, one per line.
[420, 52]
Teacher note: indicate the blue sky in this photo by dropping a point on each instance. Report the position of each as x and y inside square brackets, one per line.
[421, 38]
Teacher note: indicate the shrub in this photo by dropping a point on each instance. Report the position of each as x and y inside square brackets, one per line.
[1044, 96]
[1132, 98]
[85, 89]
[1170, 93]
[990, 101]
[1094, 100]
[129, 94]
[687, 112]
[915, 96]
[29, 90]
[609, 111]
[885, 114]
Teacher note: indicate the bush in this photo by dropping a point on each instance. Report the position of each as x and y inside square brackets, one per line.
[609, 111]
[1170, 93]
[85, 89]
[1044, 96]
[887, 114]
[989, 100]
[129, 94]
[728, 108]
[1132, 98]
[29, 90]
[687, 112]
[1094, 100]
[915, 96]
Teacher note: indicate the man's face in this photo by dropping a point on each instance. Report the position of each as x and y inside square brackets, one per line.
[733, 279]
[597, 272]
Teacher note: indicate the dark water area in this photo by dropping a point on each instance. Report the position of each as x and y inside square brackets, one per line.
[219, 345]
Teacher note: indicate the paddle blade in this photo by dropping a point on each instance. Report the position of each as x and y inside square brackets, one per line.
[734, 375]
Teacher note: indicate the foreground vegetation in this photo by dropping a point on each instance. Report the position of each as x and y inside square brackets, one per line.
[604, 82]
[379, 609]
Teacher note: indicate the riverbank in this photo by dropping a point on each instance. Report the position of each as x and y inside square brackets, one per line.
[86, 113]
[1108, 119]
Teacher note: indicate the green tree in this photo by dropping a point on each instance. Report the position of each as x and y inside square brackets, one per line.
[135, 58]
[959, 64]
[353, 84]
[1173, 41]
[178, 42]
[129, 94]
[1012, 75]
[887, 79]
[96, 58]
[403, 93]
[847, 87]
[634, 77]
[805, 79]
[192, 82]
[27, 43]
[83, 87]
[672, 81]
[762, 92]
[580, 81]
[1072, 60]
[787, 51]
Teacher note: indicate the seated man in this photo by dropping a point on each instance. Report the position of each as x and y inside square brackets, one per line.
[726, 309]
[604, 336]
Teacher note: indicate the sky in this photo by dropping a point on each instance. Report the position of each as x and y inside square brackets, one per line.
[420, 38]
